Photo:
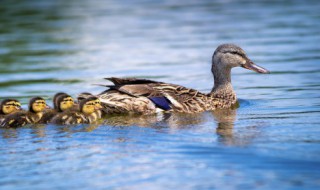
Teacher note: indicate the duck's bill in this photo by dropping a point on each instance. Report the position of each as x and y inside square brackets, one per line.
[251, 66]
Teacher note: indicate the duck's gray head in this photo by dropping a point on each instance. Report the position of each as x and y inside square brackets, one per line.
[228, 56]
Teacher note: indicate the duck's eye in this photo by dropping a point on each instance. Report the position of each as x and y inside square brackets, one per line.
[237, 53]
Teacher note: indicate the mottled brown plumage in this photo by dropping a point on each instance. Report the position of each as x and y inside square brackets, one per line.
[88, 112]
[58, 99]
[131, 95]
[21, 118]
[8, 106]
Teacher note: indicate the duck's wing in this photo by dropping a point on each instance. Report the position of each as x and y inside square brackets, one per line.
[182, 99]
[164, 95]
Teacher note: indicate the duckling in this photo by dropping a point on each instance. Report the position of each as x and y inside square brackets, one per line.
[32, 116]
[80, 97]
[88, 113]
[7, 107]
[61, 103]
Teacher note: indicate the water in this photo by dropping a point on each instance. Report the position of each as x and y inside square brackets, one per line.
[271, 142]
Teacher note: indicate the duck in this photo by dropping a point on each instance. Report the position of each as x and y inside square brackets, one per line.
[20, 118]
[88, 112]
[61, 103]
[8, 106]
[143, 96]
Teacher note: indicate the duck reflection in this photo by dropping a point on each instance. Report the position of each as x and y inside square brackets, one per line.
[225, 120]
[10, 133]
[161, 120]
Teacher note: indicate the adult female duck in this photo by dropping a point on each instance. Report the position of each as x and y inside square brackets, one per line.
[131, 95]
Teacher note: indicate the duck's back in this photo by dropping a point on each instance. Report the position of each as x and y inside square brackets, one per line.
[145, 96]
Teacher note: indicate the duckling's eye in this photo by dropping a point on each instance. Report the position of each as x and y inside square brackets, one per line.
[68, 100]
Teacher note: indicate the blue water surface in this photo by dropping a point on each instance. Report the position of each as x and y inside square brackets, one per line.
[272, 141]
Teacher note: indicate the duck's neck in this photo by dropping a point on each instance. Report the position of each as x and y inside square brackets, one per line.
[222, 84]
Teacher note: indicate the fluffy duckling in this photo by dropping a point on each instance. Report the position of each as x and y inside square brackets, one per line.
[85, 95]
[7, 107]
[88, 113]
[61, 103]
[18, 119]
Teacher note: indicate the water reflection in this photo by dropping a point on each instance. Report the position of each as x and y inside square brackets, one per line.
[225, 119]
[160, 120]
[224, 126]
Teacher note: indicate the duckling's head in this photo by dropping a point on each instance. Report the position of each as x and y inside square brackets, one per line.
[228, 56]
[8, 106]
[64, 102]
[54, 100]
[83, 96]
[89, 105]
[37, 104]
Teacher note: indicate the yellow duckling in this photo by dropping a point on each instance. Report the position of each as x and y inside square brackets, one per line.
[18, 119]
[7, 107]
[88, 113]
[61, 103]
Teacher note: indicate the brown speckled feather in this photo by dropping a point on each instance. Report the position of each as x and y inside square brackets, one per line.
[134, 97]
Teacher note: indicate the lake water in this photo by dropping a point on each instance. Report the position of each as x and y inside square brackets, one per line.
[272, 141]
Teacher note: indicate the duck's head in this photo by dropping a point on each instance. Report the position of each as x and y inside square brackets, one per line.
[89, 105]
[54, 100]
[8, 106]
[64, 102]
[37, 104]
[228, 56]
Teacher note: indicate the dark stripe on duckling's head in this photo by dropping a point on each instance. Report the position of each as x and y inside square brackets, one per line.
[54, 100]
[64, 102]
[37, 104]
[83, 96]
[13, 103]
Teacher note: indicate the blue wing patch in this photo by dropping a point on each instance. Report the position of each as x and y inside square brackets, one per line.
[161, 102]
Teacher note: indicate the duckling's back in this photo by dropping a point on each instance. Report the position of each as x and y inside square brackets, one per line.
[15, 120]
[69, 118]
